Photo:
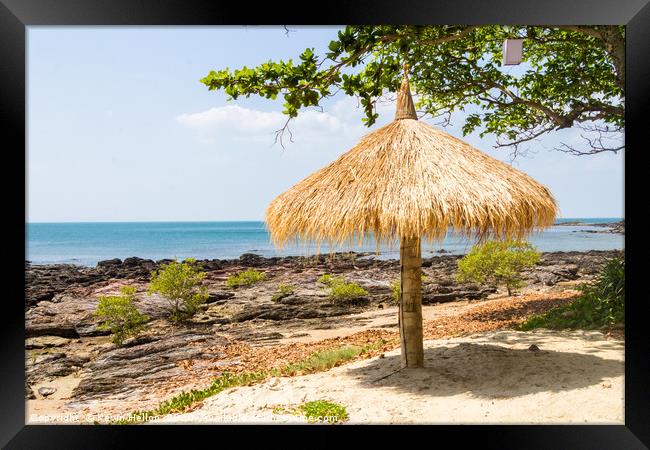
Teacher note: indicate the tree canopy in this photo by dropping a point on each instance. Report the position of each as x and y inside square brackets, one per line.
[570, 76]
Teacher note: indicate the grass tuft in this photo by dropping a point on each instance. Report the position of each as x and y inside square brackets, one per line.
[321, 361]
[284, 290]
[317, 362]
[246, 278]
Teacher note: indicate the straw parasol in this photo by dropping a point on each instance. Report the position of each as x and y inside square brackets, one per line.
[408, 181]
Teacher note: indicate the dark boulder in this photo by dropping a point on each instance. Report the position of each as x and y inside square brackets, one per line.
[109, 262]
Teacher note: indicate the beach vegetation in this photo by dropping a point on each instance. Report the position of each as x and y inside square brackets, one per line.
[180, 284]
[319, 411]
[284, 290]
[341, 290]
[316, 362]
[181, 402]
[120, 316]
[601, 303]
[498, 262]
[325, 279]
[247, 277]
[323, 360]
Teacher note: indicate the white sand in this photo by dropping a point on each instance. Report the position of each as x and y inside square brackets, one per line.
[577, 377]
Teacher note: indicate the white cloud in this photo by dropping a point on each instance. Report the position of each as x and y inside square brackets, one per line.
[233, 118]
[237, 123]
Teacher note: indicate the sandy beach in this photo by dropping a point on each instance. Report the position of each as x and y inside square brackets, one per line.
[76, 374]
[575, 377]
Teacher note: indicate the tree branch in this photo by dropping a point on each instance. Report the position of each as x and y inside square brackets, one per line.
[279, 134]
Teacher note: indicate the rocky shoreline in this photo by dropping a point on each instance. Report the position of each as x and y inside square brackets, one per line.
[608, 227]
[63, 342]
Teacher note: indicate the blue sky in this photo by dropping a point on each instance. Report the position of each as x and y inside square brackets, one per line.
[121, 129]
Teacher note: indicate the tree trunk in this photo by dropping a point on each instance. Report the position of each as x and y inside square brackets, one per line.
[410, 304]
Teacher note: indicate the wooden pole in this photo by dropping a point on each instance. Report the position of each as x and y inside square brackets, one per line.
[410, 304]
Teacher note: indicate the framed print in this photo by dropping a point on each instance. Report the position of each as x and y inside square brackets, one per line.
[369, 217]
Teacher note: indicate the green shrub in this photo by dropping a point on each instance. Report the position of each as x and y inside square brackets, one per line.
[245, 278]
[284, 290]
[600, 305]
[499, 262]
[324, 411]
[180, 284]
[325, 279]
[120, 315]
[341, 290]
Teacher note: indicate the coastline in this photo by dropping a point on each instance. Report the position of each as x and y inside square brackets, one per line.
[89, 243]
[67, 353]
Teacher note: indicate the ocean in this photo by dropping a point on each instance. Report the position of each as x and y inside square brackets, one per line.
[87, 243]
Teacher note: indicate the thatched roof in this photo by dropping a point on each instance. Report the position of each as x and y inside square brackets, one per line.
[408, 179]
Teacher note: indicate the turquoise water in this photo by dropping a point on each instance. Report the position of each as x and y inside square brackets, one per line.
[87, 243]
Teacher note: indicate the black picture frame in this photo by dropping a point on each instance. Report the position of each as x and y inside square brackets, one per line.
[16, 15]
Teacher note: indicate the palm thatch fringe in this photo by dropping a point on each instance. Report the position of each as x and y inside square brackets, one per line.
[408, 179]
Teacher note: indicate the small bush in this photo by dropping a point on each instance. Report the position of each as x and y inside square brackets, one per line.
[179, 284]
[500, 262]
[246, 278]
[324, 411]
[284, 290]
[600, 305]
[325, 279]
[341, 290]
[120, 315]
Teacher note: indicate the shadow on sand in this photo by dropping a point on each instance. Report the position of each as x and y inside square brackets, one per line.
[493, 371]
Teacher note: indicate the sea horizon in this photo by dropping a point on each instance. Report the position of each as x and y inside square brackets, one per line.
[87, 243]
[558, 220]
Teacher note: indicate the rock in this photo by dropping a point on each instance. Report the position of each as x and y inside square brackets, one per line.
[46, 391]
[29, 393]
[533, 348]
[135, 261]
[293, 300]
[109, 262]
[88, 328]
[52, 365]
[255, 337]
[53, 328]
[60, 301]
[252, 260]
[45, 342]
[207, 319]
[216, 296]
[120, 370]
[439, 294]
[72, 316]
